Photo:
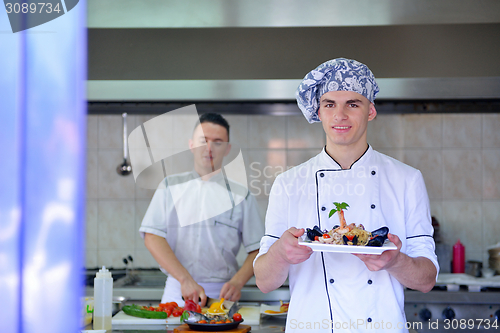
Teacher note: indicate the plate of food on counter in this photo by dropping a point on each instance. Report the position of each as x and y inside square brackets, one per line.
[280, 310]
[347, 238]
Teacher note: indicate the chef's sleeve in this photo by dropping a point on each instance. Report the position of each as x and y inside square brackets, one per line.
[253, 227]
[276, 216]
[419, 230]
[154, 221]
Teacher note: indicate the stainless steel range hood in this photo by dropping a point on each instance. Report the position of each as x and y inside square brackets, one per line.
[257, 51]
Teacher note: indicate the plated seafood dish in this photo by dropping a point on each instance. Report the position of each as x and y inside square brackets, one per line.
[347, 234]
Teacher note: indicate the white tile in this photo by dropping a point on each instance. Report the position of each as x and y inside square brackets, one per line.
[491, 176]
[111, 131]
[183, 128]
[301, 134]
[92, 174]
[423, 130]
[463, 220]
[116, 226]
[437, 209]
[462, 130]
[491, 134]
[266, 132]
[141, 206]
[491, 219]
[299, 156]
[144, 259]
[92, 131]
[91, 225]
[238, 130]
[462, 174]
[111, 258]
[263, 168]
[91, 259]
[396, 153]
[429, 162]
[111, 184]
[386, 131]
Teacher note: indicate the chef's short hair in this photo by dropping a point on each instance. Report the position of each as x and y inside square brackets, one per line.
[213, 118]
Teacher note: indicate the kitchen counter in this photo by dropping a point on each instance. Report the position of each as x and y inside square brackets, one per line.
[268, 324]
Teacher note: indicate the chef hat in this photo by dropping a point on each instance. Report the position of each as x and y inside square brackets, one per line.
[334, 75]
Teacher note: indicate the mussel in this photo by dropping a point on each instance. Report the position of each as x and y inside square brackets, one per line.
[354, 240]
[195, 317]
[380, 232]
[377, 241]
[312, 233]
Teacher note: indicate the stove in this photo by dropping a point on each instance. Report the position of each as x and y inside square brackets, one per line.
[441, 310]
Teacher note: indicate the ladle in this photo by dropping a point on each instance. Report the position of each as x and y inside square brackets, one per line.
[125, 168]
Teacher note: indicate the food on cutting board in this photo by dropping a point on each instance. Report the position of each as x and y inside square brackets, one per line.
[345, 234]
[283, 309]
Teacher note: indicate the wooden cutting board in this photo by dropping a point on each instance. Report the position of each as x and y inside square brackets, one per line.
[240, 329]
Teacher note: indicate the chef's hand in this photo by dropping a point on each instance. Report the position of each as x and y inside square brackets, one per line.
[289, 249]
[193, 291]
[231, 291]
[385, 260]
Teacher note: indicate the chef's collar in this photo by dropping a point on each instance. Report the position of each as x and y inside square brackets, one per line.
[216, 178]
[330, 161]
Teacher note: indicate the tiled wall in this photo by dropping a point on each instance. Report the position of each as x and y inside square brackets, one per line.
[458, 154]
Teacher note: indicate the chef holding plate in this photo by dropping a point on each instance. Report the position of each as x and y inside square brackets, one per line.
[344, 292]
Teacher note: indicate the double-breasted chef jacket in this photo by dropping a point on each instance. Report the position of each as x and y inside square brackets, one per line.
[335, 292]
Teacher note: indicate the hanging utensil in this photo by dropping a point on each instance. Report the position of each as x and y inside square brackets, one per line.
[125, 168]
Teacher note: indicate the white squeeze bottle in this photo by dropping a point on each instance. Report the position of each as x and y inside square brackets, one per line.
[103, 298]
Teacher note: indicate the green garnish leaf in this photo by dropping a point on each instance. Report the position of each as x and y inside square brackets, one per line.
[332, 212]
[341, 206]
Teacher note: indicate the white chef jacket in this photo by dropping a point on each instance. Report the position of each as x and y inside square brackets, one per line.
[336, 290]
[207, 249]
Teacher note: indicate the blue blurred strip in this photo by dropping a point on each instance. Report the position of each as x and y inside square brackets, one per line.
[42, 174]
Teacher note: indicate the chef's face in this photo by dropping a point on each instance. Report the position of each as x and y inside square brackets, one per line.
[345, 116]
[209, 145]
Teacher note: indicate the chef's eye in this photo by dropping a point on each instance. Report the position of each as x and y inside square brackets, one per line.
[217, 144]
[329, 105]
[352, 105]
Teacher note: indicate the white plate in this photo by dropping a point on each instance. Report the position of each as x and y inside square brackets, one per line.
[315, 246]
[264, 307]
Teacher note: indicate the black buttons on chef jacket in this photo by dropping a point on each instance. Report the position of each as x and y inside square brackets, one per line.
[372, 206]
[323, 208]
[369, 320]
[370, 281]
[332, 280]
[322, 174]
[374, 172]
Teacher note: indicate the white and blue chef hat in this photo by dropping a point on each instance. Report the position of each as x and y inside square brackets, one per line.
[334, 75]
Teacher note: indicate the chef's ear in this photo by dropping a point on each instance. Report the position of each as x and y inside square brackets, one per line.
[319, 116]
[228, 149]
[372, 113]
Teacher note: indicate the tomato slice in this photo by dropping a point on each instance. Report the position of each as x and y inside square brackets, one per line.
[326, 236]
[350, 237]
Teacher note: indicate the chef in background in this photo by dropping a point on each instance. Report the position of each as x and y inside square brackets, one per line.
[342, 292]
[200, 258]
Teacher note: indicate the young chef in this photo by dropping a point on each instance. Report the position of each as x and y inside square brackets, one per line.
[342, 291]
[200, 258]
